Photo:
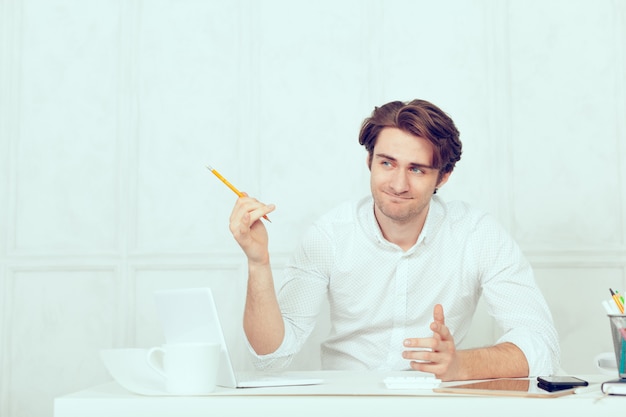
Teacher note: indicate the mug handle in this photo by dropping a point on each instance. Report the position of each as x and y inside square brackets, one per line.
[152, 363]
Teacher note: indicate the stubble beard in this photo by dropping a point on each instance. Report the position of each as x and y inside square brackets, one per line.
[404, 216]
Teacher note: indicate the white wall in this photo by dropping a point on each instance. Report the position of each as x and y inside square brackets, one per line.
[109, 112]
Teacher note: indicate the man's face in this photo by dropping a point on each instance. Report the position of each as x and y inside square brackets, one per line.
[402, 178]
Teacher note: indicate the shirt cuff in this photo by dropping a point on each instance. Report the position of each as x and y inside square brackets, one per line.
[278, 360]
[541, 357]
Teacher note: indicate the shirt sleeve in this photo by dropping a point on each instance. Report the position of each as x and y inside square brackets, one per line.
[301, 290]
[515, 301]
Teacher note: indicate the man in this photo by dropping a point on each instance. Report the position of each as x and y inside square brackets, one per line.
[402, 270]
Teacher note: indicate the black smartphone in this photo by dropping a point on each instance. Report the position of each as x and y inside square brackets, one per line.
[557, 382]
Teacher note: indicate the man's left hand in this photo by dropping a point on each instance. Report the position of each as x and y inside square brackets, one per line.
[439, 355]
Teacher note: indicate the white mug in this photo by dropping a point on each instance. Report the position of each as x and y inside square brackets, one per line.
[606, 363]
[188, 368]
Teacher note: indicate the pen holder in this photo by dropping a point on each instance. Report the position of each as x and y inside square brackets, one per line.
[618, 331]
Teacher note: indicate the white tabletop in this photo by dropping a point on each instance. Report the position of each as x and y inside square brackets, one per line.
[358, 393]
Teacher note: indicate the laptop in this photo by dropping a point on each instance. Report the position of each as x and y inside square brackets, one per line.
[189, 315]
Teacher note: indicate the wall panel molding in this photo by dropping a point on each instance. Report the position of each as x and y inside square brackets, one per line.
[5, 326]
[373, 51]
[10, 41]
[47, 308]
[81, 261]
[128, 124]
[10, 82]
[598, 257]
[8, 369]
[575, 257]
[65, 154]
[499, 81]
[247, 130]
[620, 100]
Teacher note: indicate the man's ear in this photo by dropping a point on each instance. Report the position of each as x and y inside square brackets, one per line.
[368, 161]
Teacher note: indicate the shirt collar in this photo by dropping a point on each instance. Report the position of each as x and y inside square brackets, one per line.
[436, 213]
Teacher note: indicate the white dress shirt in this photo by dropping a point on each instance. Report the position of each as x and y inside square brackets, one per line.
[380, 295]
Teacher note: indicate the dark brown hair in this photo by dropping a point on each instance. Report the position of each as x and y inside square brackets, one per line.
[419, 118]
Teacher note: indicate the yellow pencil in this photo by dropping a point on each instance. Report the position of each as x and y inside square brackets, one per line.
[620, 306]
[229, 185]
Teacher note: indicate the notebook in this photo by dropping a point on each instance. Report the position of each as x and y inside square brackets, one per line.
[614, 387]
[189, 315]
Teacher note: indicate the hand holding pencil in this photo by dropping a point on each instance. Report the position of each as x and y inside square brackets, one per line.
[232, 187]
[244, 224]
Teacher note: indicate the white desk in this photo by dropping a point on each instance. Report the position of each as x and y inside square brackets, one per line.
[362, 394]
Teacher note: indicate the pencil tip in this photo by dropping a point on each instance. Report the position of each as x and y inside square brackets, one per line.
[209, 167]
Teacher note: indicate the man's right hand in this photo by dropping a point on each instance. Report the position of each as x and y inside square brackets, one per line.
[248, 230]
